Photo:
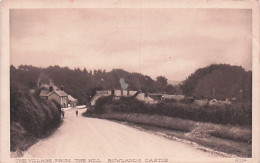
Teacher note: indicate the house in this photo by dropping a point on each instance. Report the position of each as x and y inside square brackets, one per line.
[117, 93]
[103, 92]
[155, 96]
[144, 97]
[58, 95]
[173, 97]
[218, 102]
[201, 102]
[72, 101]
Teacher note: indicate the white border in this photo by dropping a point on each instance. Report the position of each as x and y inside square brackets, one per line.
[34, 4]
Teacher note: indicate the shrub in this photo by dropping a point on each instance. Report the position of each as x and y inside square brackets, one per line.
[31, 117]
[101, 103]
[237, 114]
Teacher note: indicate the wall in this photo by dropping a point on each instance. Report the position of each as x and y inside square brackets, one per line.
[61, 101]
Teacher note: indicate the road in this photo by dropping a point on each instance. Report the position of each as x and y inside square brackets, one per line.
[81, 137]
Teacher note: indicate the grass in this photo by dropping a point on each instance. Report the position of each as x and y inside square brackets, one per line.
[226, 138]
[224, 128]
[227, 146]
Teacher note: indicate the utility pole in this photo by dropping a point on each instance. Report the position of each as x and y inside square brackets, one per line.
[213, 92]
[241, 94]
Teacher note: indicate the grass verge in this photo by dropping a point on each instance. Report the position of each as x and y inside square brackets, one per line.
[235, 140]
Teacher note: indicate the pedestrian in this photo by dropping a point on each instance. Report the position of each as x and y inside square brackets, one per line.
[63, 113]
[77, 112]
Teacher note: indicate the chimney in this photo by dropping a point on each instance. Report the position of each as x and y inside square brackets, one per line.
[51, 82]
[51, 88]
[62, 88]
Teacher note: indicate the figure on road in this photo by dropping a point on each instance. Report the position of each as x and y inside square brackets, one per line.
[63, 113]
[77, 113]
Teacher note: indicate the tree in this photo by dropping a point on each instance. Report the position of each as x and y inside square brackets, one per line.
[161, 82]
[170, 89]
[219, 81]
[85, 71]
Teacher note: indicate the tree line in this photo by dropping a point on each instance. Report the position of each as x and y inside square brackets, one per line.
[215, 81]
[220, 81]
[82, 84]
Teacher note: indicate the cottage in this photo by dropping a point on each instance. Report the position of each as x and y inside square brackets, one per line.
[72, 101]
[155, 96]
[201, 102]
[218, 102]
[60, 96]
[104, 92]
[173, 97]
[117, 93]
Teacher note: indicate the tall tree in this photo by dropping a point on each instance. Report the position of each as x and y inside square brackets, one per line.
[161, 82]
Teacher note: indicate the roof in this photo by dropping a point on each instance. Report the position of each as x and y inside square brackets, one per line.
[61, 93]
[71, 98]
[173, 96]
[155, 94]
[45, 93]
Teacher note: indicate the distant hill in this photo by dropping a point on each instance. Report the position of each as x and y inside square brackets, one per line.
[220, 81]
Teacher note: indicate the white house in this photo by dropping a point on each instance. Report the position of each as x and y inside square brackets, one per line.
[60, 96]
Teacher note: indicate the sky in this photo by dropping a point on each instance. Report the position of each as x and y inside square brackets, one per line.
[168, 42]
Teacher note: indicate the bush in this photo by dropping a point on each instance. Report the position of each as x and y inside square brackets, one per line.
[101, 103]
[237, 114]
[31, 117]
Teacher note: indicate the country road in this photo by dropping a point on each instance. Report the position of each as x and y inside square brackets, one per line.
[81, 137]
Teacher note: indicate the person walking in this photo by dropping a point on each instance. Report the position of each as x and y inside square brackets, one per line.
[77, 113]
[63, 113]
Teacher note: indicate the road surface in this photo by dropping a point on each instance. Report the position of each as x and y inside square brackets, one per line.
[82, 137]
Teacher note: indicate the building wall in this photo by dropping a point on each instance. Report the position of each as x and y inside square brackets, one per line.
[117, 92]
[104, 92]
[73, 104]
[63, 101]
[140, 96]
[155, 97]
[173, 97]
[124, 93]
[131, 93]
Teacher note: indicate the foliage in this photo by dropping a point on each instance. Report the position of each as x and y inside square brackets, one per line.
[237, 114]
[82, 84]
[220, 81]
[224, 80]
[30, 117]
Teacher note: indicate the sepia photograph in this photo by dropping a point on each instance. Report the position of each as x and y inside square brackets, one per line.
[130, 84]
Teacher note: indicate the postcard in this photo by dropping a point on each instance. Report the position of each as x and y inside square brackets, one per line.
[130, 81]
